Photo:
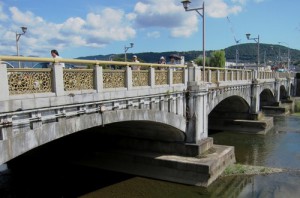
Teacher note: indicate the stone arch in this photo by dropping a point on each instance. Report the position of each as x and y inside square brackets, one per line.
[266, 98]
[283, 93]
[229, 109]
[216, 97]
[43, 133]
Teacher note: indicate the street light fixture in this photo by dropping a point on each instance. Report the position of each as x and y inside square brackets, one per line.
[257, 41]
[126, 49]
[288, 55]
[185, 4]
[18, 35]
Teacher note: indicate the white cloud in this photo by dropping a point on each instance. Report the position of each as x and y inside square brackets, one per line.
[96, 30]
[102, 27]
[220, 9]
[3, 16]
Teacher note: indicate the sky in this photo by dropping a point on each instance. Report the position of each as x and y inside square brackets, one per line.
[78, 28]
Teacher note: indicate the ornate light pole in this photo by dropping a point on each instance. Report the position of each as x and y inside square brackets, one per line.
[257, 41]
[18, 35]
[185, 4]
[126, 49]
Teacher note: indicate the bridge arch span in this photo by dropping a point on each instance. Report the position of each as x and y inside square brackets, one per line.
[215, 97]
[229, 109]
[142, 123]
[267, 98]
[40, 133]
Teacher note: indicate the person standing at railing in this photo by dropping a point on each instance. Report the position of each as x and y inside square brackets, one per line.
[135, 59]
[55, 55]
[162, 60]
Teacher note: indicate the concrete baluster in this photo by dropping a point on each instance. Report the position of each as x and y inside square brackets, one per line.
[58, 80]
[209, 76]
[170, 76]
[4, 87]
[152, 77]
[98, 78]
[185, 76]
[128, 77]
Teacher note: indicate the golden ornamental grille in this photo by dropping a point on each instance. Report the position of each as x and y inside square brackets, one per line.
[140, 78]
[222, 76]
[229, 76]
[78, 79]
[114, 78]
[178, 77]
[24, 81]
[235, 75]
[214, 76]
[161, 77]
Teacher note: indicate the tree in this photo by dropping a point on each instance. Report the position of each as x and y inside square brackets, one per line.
[217, 58]
[199, 61]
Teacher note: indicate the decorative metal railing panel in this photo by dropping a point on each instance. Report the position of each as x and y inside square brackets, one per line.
[114, 78]
[26, 81]
[140, 78]
[235, 75]
[222, 76]
[229, 76]
[214, 76]
[178, 77]
[78, 79]
[161, 77]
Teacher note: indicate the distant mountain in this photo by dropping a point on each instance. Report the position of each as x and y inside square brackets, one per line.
[247, 53]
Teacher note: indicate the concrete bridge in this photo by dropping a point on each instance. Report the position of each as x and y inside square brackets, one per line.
[167, 111]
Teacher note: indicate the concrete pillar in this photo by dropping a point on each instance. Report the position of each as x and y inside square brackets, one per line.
[4, 93]
[255, 97]
[152, 77]
[194, 73]
[179, 104]
[170, 76]
[98, 78]
[185, 76]
[209, 76]
[289, 88]
[128, 78]
[58, 79]
[196, 115]
[277, 89]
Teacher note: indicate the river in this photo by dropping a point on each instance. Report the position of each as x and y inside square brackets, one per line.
[280, 148]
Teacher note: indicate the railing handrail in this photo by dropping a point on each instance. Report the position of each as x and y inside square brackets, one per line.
[82, 61]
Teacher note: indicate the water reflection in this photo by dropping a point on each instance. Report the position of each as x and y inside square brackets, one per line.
[57, 178]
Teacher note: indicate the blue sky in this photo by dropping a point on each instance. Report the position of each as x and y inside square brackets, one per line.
[91, 27]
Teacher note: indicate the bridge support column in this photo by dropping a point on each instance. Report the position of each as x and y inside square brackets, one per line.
[197, 123]
[277, 90]
[4, 93]
[255, 103]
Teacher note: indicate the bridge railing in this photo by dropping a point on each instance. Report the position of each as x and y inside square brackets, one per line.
[216, 74]
[19, 81]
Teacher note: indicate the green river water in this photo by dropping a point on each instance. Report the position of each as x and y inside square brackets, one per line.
[279, 148]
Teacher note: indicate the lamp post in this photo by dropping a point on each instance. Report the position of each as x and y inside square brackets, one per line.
[185, 4]
[18, 35]
[288, 55]
[126, 49]
[257, 41]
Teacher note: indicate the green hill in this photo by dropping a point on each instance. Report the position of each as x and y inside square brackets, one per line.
[247, 53]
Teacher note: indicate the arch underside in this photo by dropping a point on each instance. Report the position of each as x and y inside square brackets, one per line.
[142, 124]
